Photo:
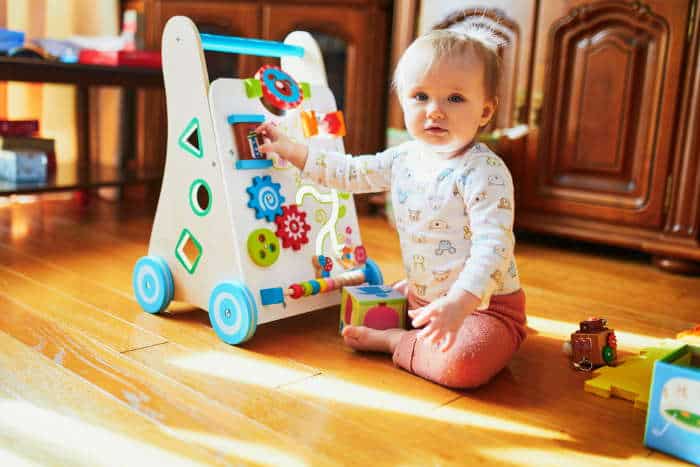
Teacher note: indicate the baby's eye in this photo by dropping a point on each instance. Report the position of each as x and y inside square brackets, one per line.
[455, 98]
[420, 96]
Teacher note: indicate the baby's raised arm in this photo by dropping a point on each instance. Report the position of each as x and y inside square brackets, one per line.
[359, 174]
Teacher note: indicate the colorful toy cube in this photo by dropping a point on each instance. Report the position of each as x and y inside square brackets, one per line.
[673, 416]
[374, 306]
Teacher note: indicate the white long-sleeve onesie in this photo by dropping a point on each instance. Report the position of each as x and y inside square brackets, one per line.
[454, 215]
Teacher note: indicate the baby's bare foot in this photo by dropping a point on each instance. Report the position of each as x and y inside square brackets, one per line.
[373, 340]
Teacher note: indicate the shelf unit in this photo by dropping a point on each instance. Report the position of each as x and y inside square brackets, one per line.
[85, 173]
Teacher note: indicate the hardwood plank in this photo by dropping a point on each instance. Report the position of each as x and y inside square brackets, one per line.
[611, 276]
[191, 329]
[175, 407]
[348, 440]
[21, 289]
[53, 417]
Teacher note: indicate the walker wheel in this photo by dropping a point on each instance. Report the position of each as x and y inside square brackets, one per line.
[153, 284]
[232, 312]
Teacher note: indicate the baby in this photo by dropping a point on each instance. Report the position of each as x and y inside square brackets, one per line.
[453, 204]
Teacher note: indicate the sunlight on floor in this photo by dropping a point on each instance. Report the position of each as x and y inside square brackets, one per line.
[556, 458]
[257, 453]
[10, 458]
[75, 442]
[328, 387]
[563, 330]
[250, 370]
[246, 369]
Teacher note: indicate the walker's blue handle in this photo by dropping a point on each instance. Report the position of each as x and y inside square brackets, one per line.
[242, 45]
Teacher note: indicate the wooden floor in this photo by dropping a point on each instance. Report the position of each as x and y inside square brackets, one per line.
[87, 378]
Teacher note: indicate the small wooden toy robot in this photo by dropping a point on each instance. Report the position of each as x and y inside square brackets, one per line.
[593, 345]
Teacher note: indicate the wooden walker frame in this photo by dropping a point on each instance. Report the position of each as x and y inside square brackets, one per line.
[215, 214]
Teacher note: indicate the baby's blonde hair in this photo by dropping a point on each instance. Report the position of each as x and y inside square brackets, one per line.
[458, 40]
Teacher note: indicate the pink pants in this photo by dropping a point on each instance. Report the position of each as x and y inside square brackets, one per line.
[485, 344]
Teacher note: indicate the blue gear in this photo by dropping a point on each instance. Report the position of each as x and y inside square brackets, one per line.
[265, 198]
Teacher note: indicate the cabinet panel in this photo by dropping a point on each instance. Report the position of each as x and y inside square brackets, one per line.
[606, 80]
[364, 32]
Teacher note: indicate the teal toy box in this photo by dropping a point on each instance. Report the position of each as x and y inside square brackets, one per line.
[673, 415]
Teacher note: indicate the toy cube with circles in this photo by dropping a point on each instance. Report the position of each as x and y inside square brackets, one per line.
[374, 306]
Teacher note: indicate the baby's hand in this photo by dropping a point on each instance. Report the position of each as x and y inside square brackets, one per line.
[443, 317]
[275, 140]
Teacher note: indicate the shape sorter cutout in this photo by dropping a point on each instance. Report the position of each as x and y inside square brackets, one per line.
[377, 307]
[237, 232]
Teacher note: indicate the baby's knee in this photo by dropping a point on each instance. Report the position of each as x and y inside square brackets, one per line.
[465, 370]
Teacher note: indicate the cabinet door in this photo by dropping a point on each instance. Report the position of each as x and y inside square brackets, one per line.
[606, 82]
[354, 44]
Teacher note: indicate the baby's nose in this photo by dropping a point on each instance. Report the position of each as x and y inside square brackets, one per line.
[435, 112]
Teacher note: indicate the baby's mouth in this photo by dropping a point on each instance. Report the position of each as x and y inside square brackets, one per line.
[435, 130]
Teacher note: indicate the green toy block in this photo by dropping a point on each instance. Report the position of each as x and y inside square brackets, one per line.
[306, 90]
[253, 88]
[374, 306]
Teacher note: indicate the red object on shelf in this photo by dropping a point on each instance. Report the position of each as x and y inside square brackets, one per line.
[133, 58]
[19, 127]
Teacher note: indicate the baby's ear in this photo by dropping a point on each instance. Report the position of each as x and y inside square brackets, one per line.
[488, 111]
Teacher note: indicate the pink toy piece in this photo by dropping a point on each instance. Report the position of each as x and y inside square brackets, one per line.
[380, 317]
[348, 310]
[360, 254]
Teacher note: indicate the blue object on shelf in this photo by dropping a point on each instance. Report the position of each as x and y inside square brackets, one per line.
[10, 39]
[241, 45]
[23, 166]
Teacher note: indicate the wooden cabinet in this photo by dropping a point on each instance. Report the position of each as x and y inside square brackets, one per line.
[604, 103]
[609, 90]
[352, 35]
[605, 118]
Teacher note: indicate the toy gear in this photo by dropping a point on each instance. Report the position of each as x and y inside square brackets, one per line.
[279, 89]
[265, 198]
[292, 227]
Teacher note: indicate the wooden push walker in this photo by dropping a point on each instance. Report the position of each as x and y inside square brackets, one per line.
[238, 232]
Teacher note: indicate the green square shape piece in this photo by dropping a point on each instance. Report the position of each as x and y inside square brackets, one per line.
[183, 260]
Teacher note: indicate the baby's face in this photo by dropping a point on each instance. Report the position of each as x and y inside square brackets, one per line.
[446, 106]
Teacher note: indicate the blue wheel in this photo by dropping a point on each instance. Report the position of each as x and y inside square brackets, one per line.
[153, 284]
[373, 275]
[232, 312]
